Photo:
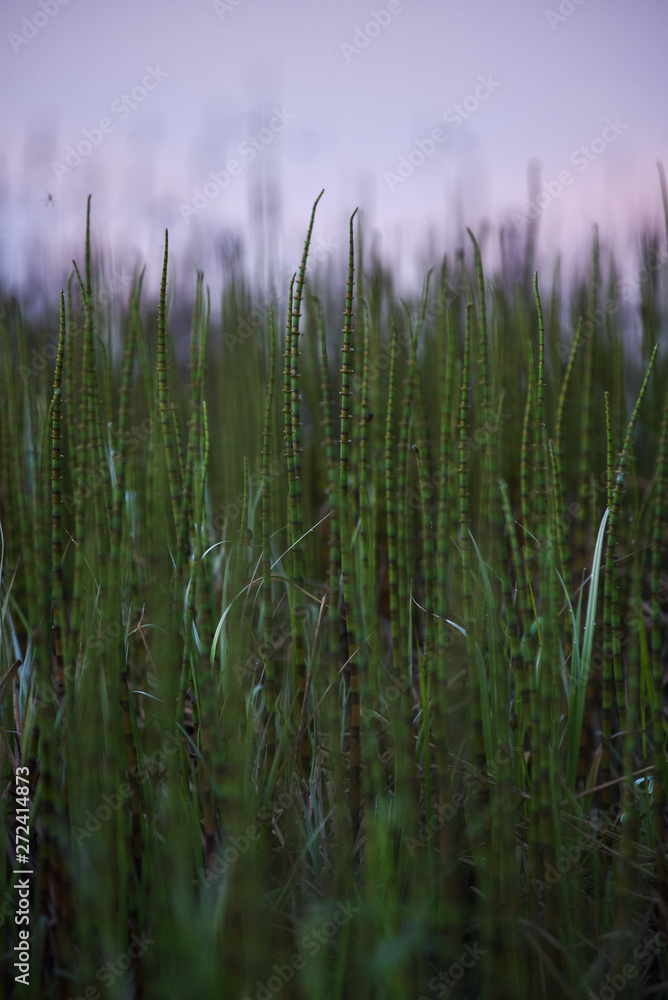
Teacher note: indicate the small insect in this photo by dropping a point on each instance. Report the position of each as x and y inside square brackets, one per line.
[50, 200]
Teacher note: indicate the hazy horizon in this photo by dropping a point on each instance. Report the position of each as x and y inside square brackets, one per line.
[229, 117]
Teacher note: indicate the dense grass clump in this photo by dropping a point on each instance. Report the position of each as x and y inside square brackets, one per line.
[338, 681]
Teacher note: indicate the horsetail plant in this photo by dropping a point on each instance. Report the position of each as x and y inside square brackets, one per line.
[208, 775]
[296, 494]
[347, 582]
[269, 666]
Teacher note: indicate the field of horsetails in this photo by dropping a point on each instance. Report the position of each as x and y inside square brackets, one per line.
[332, 652]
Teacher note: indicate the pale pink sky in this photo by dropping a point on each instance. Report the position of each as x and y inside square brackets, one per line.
[157, 95]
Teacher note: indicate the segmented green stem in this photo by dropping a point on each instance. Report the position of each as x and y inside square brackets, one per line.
[564, 550]
[403, 571]
[539, 421]
[59, 794]
[520, 714]
[525, 472]
[612, 587]
[270, 673]
[296, 495]
[163, 395]
[187, 519]
[346, 552]
[584, 471]
[391, 511]
[211, 750]
[489, 495]
[56, 508]
[478, 743]
[334, 568]
[659, 524]
[366, 521]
